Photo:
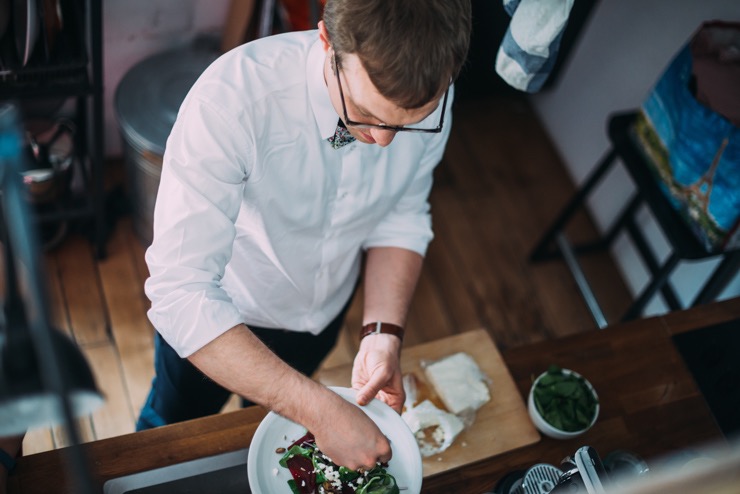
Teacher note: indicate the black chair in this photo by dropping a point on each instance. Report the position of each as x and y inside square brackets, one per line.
[685, 245]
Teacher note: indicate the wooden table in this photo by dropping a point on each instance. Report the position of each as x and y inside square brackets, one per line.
[650, 405]
[501, 425]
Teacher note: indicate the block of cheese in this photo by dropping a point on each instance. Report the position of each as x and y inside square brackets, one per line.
[459, 382]
[433, 428]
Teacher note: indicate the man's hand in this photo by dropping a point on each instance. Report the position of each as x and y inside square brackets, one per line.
[377, 371]
[240, 361]
[348, 436]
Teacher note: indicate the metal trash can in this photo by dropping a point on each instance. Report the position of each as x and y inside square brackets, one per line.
[146, 102]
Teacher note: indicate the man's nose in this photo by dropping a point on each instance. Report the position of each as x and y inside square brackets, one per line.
[382, 137]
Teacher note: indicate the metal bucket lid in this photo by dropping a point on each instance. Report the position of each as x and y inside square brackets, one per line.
[150, 94]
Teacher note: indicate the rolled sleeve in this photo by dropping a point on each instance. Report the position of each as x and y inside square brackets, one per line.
[197, 203]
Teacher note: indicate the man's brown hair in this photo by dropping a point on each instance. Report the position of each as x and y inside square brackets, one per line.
[411, 49]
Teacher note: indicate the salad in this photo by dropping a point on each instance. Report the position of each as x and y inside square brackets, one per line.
[314, 473]
[565, 400]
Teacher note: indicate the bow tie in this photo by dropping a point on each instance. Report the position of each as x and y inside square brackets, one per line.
[341, 137]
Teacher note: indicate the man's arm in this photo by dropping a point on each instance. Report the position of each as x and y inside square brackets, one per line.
[391, 275]
[239, 361]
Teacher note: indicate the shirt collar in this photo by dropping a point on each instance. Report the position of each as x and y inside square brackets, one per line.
[318, 92]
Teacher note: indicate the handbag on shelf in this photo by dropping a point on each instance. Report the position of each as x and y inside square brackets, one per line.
[688, 128]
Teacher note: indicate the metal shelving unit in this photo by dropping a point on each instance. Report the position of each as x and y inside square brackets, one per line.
[73, 71]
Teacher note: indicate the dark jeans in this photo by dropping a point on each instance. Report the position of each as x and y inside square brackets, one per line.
[182, 392]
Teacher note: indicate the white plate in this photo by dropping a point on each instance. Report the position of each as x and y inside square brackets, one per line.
[275, 431]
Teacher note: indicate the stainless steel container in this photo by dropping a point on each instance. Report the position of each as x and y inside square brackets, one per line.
[146, 102]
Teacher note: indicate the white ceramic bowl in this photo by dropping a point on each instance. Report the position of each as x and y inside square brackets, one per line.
[543, 426]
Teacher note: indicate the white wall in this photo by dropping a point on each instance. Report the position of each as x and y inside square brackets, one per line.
[136, 29]
[621, 53]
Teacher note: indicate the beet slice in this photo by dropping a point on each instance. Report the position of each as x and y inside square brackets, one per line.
[301, 468]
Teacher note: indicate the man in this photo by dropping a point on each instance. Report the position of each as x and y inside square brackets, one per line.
[264, 216]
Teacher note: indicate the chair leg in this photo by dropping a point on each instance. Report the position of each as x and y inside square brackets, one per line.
[648, 256]
[542, 250]
[580, 278]
[659, 279]
[721, 277]
[627, 214]
[267, 16]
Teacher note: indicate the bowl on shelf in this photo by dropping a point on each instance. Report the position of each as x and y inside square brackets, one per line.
[562, 404]
[50, 154]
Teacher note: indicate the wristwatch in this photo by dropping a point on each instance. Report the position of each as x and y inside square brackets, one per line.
[381, 328]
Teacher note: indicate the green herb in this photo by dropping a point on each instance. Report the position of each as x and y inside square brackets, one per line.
[564, 400]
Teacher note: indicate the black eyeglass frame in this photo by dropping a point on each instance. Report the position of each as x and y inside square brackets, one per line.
[393, 128]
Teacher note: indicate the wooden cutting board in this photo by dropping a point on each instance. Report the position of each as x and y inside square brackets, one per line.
[501, 425]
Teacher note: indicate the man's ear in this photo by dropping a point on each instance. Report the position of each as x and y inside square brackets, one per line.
[324, 36]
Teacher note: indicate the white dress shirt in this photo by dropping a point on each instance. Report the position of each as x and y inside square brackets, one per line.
[258, 219]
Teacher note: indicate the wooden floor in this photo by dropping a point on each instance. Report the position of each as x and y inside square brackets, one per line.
[499, 186]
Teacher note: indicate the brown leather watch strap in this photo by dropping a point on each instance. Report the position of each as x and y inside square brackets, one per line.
[381, 328]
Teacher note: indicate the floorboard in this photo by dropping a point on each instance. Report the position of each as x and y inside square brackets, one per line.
[131, 332]
[82, 295]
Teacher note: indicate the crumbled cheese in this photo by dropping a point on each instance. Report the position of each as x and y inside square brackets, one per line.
[275, 472]
[331, 474]
[459, 382]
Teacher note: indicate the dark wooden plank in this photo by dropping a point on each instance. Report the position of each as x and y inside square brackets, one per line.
[116, 416]
[462, 236]
[527, 184]
[204, 438]
[682, 321]
[428, 318]
[131, 330]
[443, 265]
[82, 293]
[84, 429]
[58, 313]
[38, 440]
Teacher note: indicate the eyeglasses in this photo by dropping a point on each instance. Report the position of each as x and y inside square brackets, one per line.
[394, 128]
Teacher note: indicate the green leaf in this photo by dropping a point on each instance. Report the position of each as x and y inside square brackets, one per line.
[379, 483]
[346, 475]
[564, 400]
[544, 399]
[294, 451]
[554, 369]
[582, 417]
[566, 388]
[293, 487]
[547, 380]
